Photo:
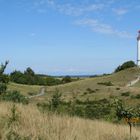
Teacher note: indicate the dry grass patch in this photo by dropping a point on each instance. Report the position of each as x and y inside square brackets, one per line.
[35, 125]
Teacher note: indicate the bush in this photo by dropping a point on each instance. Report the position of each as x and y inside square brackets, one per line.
[3, 88]
[85, 93]
[125, 94]
[118, 88]
[15, 96]
[31, 93]
[136, 96]
[55, 101]
[105, 83]
[126, 65]
[50, 81]
[4, 79]
[67, 79]
[90, 90]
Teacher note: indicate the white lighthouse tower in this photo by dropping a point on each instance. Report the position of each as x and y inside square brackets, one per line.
[138, 50]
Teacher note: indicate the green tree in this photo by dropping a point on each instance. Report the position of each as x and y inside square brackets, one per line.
[17, 77]
[126, 65]
[3, 78]
[29, 71]
[29, 77]
[66, 79]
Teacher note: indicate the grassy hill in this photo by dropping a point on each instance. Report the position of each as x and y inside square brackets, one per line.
[118, 79]
[31, 124]
[91, 88]
[96, 88]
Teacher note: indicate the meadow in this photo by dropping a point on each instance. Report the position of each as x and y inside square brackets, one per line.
[30, 124]
[79, 110]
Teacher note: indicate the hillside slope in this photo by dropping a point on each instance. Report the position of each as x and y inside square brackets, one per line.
[80, 88]
[90, 88]
[118, 79]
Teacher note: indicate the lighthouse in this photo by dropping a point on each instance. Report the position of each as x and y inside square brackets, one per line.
[138, 50]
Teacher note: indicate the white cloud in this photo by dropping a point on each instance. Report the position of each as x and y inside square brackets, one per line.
[69, 9]
[84, 9]
[120, 11]
[99, 27]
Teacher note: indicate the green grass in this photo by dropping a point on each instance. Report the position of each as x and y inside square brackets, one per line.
[78, 89]
[24, 89]
[119, 80]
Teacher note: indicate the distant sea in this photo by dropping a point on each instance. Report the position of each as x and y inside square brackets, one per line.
[75, 76]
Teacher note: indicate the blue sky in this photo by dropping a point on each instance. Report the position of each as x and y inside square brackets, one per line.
[68, 37]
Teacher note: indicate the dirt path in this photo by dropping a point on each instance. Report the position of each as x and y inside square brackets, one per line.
[42, 92]
[133, 82]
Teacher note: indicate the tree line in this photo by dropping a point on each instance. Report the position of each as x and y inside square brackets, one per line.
[30, 78]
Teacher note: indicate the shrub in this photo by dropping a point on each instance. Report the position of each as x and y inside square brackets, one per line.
[85, 93]
[67, 79]
[50, 81]
[31, 93]
[97, 89]
[3, 78]
[15, 96]
[136, 96]
[125, 94]
[90, 90]
[105, 83]
[3, 88]
[55, 101]
[118, 88]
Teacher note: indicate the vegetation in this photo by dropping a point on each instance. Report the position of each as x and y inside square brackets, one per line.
[24, 89]
[51, 81]
[100, 109]
[67, 79]
[135, 96]
[125, 94]
[19, 122]
[87, 99]
[129, 114]
[3, 78]
[14, 96]
[126, 65]
[106, 83]
[30, 78]
[55, 101]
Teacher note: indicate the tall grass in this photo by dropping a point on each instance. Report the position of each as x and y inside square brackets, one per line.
[34, 125]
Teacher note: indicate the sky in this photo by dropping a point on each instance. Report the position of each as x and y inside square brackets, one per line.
[68, 37]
